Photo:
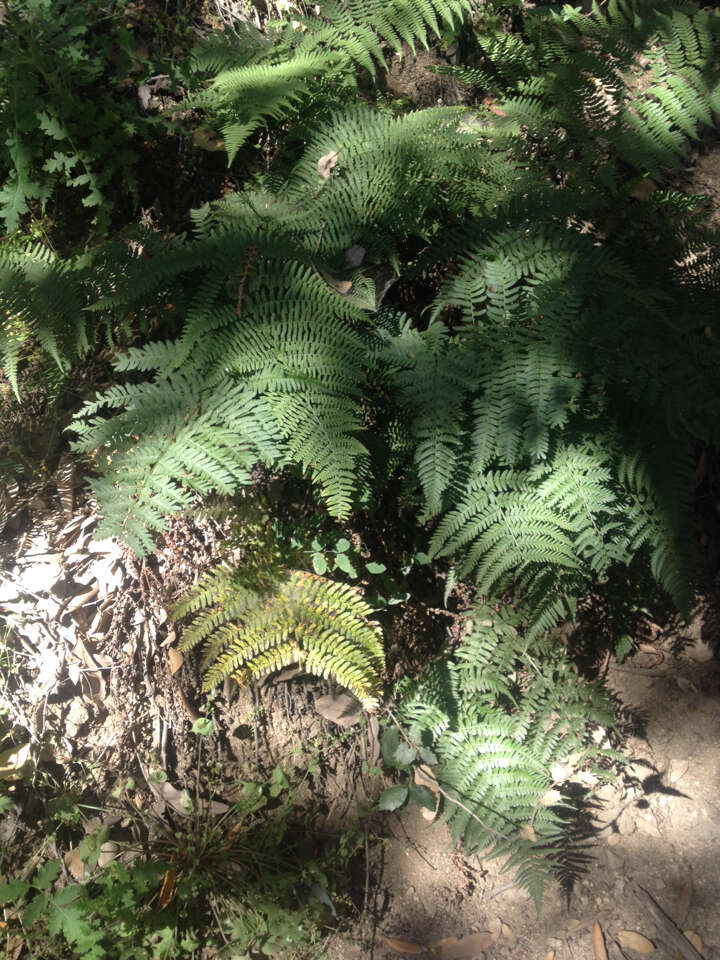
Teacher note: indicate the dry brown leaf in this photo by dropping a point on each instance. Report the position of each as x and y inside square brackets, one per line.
[585, 778]
[342, 286]
[561, 771]
[643, 189]
[526, 832]
[550, 955]
[74, 863]
[108, 851]
[598, 942]
[508, 934]
[404, 946]
[206, 140]
[629, 940]
[680, 914]
[457, 948]
[694, 939]
[167, 889]
[326, 164]
[175, 660]
[340, 708]
[550, 798]
[15, 762]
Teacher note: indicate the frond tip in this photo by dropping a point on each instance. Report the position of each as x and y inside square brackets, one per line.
[252, 627]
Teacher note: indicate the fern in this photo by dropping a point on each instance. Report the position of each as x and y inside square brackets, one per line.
[508, 728]
[265, 320]
[41, 301]
[326, 40]
[254, 620]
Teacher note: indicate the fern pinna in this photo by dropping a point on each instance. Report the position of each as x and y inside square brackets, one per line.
[254, 622]
[514, 737]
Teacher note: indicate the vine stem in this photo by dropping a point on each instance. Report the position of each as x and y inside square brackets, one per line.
[458, 803]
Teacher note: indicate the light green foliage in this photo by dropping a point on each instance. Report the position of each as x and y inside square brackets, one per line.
[500, 728]
[254, 621]
[272, 349]
[63, 118]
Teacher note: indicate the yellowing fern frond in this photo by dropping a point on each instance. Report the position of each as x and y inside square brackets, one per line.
[298, 618]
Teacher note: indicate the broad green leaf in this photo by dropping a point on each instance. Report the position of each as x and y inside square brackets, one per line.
[423, 796]
[389, 744]
[35, 909]
[343, 562]
[46, 874]
[203, 727]
[405, 754]
[13, 890]
[373, 567]
[319, 564]
[392, 798]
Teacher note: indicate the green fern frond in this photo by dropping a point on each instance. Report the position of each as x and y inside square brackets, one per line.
[253, 623]
[499, 723]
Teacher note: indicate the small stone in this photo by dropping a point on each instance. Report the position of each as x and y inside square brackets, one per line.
[648, 825]
[626, 823]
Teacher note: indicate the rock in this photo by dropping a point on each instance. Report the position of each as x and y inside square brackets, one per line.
[626, 823]
[648, 825]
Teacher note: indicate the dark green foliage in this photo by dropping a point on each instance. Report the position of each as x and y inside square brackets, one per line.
[265, 78]
[65, 119]
[531, 395]
[285, 364]
[41, 300]
[510, 731]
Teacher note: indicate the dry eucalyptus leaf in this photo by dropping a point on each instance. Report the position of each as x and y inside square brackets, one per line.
[15, 762]
[424, 777]
[550, 798]
[643, 189]
[74, 863]
[550, 955]
[561, 771]
[680, 914]
[585, 778]
[629, 940]
[175, 660]
[526, 832]
[694, 939]
[206, 140]
[598, 943]
[341, 709]
[108, 851]
[342, 286]
[508, 934]
[404, 946]
[457, 948]
[326, 164]
[175, 798]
